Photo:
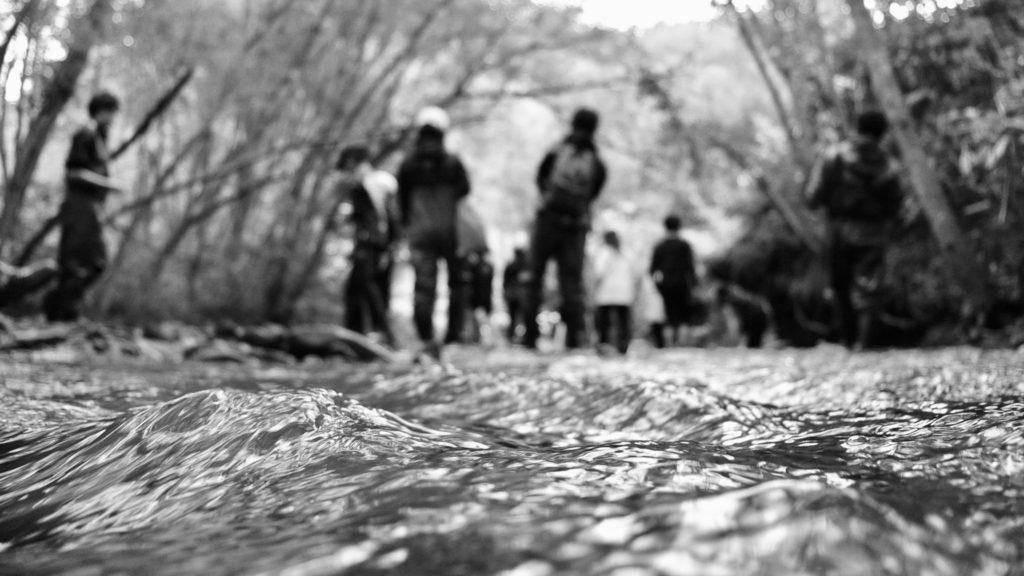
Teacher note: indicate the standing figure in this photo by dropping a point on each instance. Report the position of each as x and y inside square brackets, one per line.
[859, 189]
[82, 253]
[477, 274]
[370, 194]
[431, 181]
[675, 276]
[512, 291]
[570, 178]
[615, 291]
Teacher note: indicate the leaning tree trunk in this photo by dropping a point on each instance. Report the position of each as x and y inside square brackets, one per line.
[55, 95]
[962, 264]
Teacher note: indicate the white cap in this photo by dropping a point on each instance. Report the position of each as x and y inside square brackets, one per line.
[433, 116]
[380, 182]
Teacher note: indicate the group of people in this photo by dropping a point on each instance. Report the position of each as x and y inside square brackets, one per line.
[857, 186]
[426, 204]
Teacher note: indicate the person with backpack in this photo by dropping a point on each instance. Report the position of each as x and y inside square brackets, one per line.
[82, 252]
[370, 193]
[858, 187]
[615, 292]
[431, 182]
[675, 276]
[570, 178]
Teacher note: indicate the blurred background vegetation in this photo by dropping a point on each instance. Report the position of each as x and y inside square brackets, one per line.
[231, 207]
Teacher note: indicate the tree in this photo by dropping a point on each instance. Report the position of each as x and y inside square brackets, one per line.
[87, 31]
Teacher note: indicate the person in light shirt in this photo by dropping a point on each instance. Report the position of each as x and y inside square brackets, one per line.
[615, 291]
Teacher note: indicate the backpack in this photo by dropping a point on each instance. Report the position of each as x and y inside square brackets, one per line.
[863, 192]
[571, 183]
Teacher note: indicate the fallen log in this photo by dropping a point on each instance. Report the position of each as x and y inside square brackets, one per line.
[319, 340]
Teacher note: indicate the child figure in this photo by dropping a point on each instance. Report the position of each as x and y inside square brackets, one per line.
[615, 291]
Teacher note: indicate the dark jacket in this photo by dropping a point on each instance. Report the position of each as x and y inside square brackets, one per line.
[581, 143]
[371, 226]
[858, 182]
[88, 152]
[430, 184]
[673, 261]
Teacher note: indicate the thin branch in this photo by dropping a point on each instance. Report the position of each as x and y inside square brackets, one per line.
[161, 105]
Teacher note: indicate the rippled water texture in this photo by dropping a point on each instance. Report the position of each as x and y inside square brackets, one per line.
[695, 462]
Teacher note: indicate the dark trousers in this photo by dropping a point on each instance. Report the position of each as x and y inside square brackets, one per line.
[81, 257]
[615, 320]
[676, 298]
[364, 298]
[515, 317]
[426, 253]
[854, 272]
[565, 244]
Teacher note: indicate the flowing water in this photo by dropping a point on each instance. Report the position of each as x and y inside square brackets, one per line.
[687, 463]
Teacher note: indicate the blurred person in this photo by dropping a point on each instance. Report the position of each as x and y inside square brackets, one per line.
[82, 252]
[477, 275]
[674, 273]
[858, 187]
[570, 178]
[615, 292]
[512, 289]
[431, 182]
[653, 311]
[371, 195]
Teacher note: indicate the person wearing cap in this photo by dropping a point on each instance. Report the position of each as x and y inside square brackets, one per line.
[431, 181]
[370, 194]
[82, 253]
[570, 178]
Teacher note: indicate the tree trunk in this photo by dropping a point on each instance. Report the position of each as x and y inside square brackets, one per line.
[962, 264]
[55, 95]
[764, 66]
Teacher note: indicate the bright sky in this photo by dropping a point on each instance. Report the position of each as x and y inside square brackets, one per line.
[625, 14]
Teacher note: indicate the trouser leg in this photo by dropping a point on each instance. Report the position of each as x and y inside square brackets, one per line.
[81, 260]
[541, 245]
[842, 277]
[602, 324]
[457, 300]
[355, 293]
[424, 262]
[624, 327]
[570, 282]
[513, 319]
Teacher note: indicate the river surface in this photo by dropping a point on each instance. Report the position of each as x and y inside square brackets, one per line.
[684, 463]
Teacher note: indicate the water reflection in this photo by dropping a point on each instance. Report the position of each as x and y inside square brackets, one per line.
[693, 463]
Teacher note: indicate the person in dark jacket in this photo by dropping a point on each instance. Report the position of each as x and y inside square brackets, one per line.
[370, 195]
[674, 273]
[512, 292]
[570, 178]
[431, 181]
[82, 253]
[858, 187]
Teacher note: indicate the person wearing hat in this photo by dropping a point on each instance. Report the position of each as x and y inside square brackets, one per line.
[370, 195]
[82, 253]
[570, 178]
[431, 182]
